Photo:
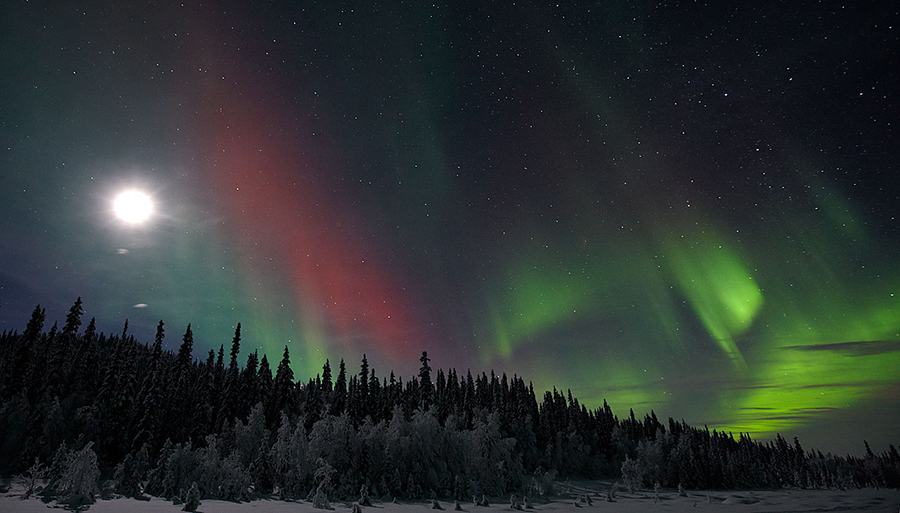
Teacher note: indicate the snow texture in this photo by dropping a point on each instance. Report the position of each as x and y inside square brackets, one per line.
[785, 500]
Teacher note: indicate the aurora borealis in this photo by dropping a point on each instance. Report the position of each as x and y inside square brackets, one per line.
[690, 208]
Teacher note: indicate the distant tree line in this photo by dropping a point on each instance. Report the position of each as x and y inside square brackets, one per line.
[158, 422]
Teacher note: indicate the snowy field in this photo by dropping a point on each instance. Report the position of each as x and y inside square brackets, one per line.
[645, 500]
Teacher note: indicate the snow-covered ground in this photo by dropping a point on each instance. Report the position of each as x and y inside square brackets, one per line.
[868, 500]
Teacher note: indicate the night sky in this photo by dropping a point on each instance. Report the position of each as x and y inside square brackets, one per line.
[685, 207]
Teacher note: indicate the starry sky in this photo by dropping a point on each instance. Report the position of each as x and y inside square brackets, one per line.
[688, 207]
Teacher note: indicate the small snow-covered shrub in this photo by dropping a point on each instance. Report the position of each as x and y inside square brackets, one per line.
[78, 484]
[192, 498]
[323, 477]
[543, 483]
[125, 480]
[234, 482]
[30, 478]
[632, 474]
[364, 496]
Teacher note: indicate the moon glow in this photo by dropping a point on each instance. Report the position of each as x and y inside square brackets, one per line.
[133, 207]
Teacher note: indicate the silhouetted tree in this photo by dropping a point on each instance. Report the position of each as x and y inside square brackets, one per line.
[73, 318]
[425, 385]
[414, 438]
[284, 383]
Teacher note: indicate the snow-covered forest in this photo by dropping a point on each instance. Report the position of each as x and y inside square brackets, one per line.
[104, 414]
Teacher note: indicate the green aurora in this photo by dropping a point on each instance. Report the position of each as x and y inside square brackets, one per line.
[685, 208]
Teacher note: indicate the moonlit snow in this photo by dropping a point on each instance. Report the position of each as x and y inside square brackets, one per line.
[644, 500]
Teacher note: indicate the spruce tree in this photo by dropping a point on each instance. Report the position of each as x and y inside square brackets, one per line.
[327, 385]
[284, 382]
[353, 408]
[220, 366]
[35, 325]
[375, 406]
[217, 391]
[235, 348]
[182, 393]
[468, 405]
[231, 395]
[362, 397]
[249, 386]
[426, 388]
[108, 402]
[150, 396]
[339, 400]
[364, 377]
[20, 355]
[265, 383]
[73, 318]
[91, 331]
[199, 407]
[185, 357]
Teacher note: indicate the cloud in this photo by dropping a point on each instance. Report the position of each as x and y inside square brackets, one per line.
[750, 387]
[746, 419]
[855, 384]
[857, 348]
[816, 409]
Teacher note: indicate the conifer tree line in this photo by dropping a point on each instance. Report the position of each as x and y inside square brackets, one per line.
[157, 422]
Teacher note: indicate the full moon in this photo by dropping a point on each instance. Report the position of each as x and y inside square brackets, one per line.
[133, 207]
